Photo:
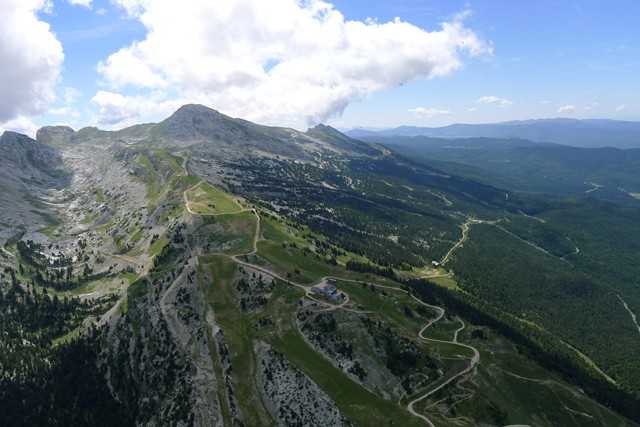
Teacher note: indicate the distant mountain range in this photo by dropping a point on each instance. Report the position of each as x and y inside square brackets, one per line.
[573, 132]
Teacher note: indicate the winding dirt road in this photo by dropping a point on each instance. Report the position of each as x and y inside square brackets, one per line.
[472, 363]
[307, 289]
[264, 270]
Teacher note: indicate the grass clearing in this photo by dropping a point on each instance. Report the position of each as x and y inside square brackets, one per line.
[231, 234]
[205, 199]
[151, 179]
[138, 289]
[279, 232]
[69, 336]
[238, 330]
[357, 403]
[293, 262]
[51, 231]
[156, 165]
[446, 282]
[389, 304]
[156, 247]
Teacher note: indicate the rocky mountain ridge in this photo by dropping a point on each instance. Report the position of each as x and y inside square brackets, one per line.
[212, 271]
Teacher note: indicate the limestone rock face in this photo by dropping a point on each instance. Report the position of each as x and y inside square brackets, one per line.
[57, 136]
[291, 397]
[29, 171]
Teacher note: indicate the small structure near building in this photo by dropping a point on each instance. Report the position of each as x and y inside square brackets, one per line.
[435, 264]
[328, 290]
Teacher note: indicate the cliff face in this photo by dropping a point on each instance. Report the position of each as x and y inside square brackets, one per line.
[57, 136]
[28, 172]
[23, 157]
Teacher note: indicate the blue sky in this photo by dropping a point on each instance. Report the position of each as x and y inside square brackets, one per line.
[550, 58]
[548, 54]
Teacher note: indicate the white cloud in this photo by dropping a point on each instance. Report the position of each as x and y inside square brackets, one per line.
[20, 124]
[66, 107]
[567, 109]
[85, 3]
[64, 112]
[71, 95]
[472, 109]
[279, 61]
[621, 108]
[31, 59]
[117, 109]
[428, 112]
[494, 100]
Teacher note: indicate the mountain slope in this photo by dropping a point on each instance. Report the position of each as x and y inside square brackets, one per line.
[211, 271]
[29, 173]
[605, 173]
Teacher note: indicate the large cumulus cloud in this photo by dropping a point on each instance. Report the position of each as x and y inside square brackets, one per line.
[31, 59]
[278, 61]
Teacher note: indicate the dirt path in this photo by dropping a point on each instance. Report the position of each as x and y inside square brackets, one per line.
[472, 363]
[546, 382]
[256, 236]
[186, 199]
[441, 311]
[533, 245]
[466, 228]
[460, 329]
[465, 235]
[634, 318]
[535, 218]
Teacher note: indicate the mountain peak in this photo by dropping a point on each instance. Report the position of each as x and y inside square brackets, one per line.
[194, 122]
[339, 139]
[9, 137]
[195, 110]
[55, 135]
[326, 131]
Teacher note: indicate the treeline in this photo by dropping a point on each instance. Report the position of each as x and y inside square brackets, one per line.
[365, 267]
[31, 319]
[57, 274]
[540, 346]
[352, 221]
[71, 391]
[35, 315]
